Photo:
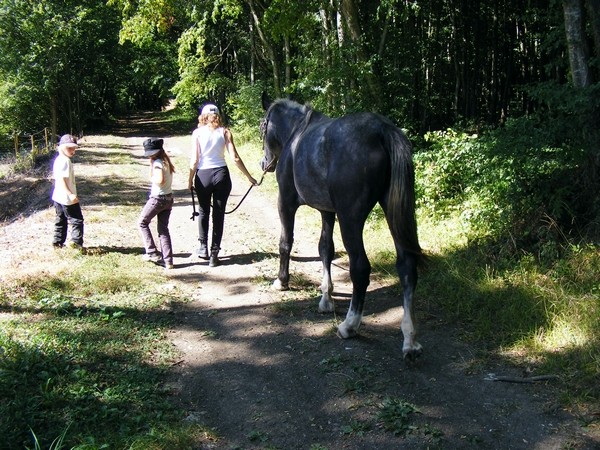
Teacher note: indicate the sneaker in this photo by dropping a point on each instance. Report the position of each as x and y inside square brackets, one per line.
[169, 267]
[152, 257]
[76, 246]
[214, 261]
[57, 245]
[202, 251]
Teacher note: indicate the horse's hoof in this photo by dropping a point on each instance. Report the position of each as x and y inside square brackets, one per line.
[411, 355]
[345, 333]
[279, 286]
[325, 306]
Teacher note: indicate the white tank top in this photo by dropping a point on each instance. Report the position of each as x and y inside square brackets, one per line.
[211, 143]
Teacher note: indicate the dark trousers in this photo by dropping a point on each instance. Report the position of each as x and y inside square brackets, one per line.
[159, 207]
[215, 185]
[68, 215]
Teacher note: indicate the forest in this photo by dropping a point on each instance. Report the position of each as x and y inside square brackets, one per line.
[501, 102]
[500, 98]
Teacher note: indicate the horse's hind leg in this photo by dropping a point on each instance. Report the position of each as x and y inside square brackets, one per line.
[360, 269]
[287, 216]
[406, 264]
[326, 252]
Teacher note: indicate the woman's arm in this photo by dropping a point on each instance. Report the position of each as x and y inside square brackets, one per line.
[236, 157]
[194, 159]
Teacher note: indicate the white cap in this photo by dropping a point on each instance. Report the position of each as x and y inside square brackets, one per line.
[210, 109]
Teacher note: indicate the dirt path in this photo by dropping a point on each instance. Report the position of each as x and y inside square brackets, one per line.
[265, 370]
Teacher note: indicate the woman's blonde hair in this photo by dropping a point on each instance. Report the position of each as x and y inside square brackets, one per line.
[212, 120]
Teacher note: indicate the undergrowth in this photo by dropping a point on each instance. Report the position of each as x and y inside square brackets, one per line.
[83, 358]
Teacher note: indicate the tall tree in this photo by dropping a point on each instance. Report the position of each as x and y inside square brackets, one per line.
[350, 14]
[574, 28]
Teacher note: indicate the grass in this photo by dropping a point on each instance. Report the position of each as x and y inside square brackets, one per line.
[534, 313]
[86, 348]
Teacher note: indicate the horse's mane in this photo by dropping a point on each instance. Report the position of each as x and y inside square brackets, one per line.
[290, 104]
[303, 111]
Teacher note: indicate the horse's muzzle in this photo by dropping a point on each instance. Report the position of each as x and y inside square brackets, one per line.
[268, 166]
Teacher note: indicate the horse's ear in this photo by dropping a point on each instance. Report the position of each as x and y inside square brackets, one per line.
[266, 101]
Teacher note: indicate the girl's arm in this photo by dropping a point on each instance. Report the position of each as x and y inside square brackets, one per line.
[156, 176]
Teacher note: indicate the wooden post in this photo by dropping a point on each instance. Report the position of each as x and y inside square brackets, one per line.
[33, 149]
[46, 139]
[17, 146]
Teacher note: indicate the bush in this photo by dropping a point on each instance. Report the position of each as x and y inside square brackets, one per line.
[247, 112]
[517, 184]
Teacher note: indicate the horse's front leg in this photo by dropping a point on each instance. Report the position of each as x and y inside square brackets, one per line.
[406, 265]
[326, 252]
[287, 216]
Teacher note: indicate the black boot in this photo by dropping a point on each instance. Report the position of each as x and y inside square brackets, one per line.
[214, 257]
[203, 250]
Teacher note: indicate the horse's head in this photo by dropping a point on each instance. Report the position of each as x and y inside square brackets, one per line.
[282, 119]
[272, 144]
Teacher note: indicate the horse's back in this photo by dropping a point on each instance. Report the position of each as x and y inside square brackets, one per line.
[341, 162]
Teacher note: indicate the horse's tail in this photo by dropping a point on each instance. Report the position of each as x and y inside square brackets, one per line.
[400, 211]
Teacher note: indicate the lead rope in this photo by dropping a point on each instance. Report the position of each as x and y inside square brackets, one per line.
[247, 192]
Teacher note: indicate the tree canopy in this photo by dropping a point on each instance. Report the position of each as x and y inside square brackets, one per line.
[430, 65]
[427, 65]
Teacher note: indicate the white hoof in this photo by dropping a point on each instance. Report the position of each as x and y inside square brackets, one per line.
[412, 352]
[278, 286]
[344, 332]
[326, 305]
[349, 327]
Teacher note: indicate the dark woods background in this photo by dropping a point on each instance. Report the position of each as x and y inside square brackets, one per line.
[501, 98]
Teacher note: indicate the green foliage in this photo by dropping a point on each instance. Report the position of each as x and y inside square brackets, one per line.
[395, 415]
[65, 74]
[525, 182]
[63, 60]
[246, 110]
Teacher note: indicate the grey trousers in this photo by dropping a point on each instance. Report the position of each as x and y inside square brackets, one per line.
[159, 207]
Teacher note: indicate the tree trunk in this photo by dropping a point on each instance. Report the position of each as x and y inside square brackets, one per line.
[580, 73]
[288, 61]
[268, 49]
[593, 10]
[351, 19]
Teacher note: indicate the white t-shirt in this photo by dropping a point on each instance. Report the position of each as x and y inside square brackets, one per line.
[63, 168]
[165, 187]
[210, 151]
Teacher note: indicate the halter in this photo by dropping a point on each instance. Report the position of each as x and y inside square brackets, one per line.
[297, 131]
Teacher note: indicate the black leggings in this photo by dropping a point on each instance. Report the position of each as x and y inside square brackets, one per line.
[212, 185]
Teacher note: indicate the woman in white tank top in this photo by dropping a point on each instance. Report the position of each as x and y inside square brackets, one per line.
[209, 177]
